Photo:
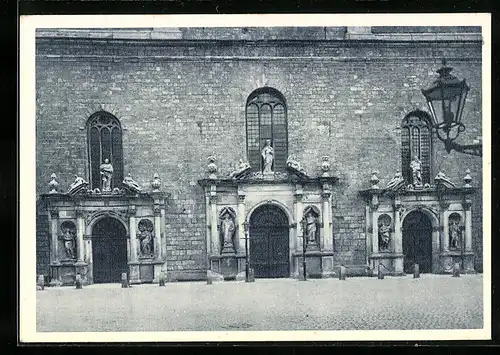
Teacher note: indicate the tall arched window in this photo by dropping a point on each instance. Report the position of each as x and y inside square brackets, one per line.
[266, 118]
[104, 140]
[416, 140]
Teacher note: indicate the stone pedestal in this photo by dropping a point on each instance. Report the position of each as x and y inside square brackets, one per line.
[229, 266]
[327, 269]
[134, 272]
[82, 268]
[392, 263]
[449, 258]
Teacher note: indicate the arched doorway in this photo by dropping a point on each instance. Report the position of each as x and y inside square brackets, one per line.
[417, 242]
[109, 250]
[269, 242]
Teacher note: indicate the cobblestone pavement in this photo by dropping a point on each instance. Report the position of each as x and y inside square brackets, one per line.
[431, 302]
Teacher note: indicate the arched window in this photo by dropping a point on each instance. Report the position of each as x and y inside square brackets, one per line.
[266, 118]
[416, 140]
[104, 140]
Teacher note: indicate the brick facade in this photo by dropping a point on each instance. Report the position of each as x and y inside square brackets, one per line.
[180, 100]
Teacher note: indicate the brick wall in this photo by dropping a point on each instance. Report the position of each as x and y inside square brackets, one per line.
[188, 102]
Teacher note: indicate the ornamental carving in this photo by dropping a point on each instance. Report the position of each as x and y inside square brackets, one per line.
[68, 236]
[454, 231]
[384, 232]
[145, 235]
[227, 228]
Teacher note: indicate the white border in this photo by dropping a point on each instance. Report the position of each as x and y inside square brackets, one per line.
[27, 168]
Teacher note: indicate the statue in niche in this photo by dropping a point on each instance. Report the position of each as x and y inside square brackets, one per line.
[241, 169]
[146, 237]
[131, 184]
[268, 157]
[227, 230]
[384, 235]
[455, 233]
[78, 185]
[442, 179]
[416, 169]
[69, 241]
[106, 170]
[396, 183]
[311, 227]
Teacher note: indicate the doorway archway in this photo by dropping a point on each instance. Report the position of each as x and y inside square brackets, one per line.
[109, 250]
[417, 242]
[269, 242]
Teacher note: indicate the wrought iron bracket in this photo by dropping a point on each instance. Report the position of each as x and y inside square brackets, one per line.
[470, 149]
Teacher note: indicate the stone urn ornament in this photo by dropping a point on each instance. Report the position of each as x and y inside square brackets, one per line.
[156, 183]
[467, 179]
[374, 180]
[53, 184]
[212, 167]
[325, 166]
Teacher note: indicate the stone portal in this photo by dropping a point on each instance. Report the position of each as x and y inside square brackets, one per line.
[109, 250]
[269, 242]
[417, 242]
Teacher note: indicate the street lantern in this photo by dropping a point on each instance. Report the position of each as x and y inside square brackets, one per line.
[303, 224]
[446, 100]
[246, 227]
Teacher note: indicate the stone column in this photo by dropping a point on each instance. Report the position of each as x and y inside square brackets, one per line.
[374, 208]
[241, 220]
[54, 243]
[207, 226]
[327, 233]
[299, 194]
[133, 235]
[80, 228]
[445, 239]
[214, 241]
[468, 225]
[163, 243]
[157, 237]
[398, 238]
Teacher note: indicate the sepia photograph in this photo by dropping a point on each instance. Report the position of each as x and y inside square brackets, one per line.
[255, 177]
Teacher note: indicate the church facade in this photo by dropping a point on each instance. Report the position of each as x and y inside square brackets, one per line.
[187, 152]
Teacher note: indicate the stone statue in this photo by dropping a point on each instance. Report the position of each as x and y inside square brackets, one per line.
[268, 156]
[69, 242]
[416, 168]
[384, 235]
[242, 168]
[293, 166]
[311, 228]
[442, 179]
[78, 185]
[396, 182]
[106, 170]
[455, 233]
[146, 237]
[131, 184]
[227, 228]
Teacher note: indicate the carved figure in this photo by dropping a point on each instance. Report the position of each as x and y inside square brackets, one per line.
[311, 227]
[416, 168]
[268, 157]
[106, 170]
[293, 166]
[397, 182]
[146, 238]
[131, 184]
[69, 242]
[228, 228]
[442, 179]
[78, 185]
[242, 168]
[384, 235]
[455, 233]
